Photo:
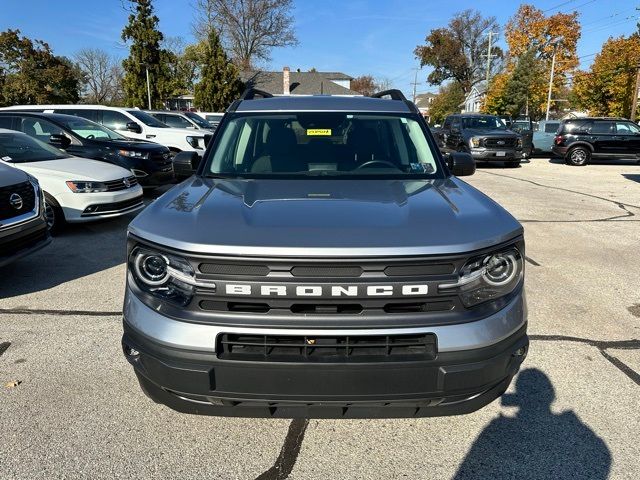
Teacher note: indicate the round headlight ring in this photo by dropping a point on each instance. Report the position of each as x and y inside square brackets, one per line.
[152, 268]
[501, 269]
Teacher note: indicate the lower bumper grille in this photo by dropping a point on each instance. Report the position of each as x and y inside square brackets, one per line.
[295, 348]
[116, 207]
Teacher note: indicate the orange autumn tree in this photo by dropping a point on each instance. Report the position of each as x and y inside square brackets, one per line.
[607, 88]
[530, 32]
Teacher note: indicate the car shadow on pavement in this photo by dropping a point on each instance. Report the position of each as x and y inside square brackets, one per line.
[536, 443]
[632, 176]
[78, 251]
[602, 161]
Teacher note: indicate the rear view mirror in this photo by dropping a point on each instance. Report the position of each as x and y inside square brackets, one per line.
[461, 164]
[134, 127]
[59, 141]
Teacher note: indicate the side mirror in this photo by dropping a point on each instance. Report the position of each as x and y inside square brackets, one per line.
[185, 164]
[134, 127]
[59, 141]
[461, 164]
[207, 139]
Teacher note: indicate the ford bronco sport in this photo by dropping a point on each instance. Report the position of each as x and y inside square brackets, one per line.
[324, 261]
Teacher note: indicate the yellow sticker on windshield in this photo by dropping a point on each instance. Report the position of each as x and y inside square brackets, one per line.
[319, 132]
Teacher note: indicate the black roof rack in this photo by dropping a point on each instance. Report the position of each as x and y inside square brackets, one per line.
[393, 93]
[251, 93]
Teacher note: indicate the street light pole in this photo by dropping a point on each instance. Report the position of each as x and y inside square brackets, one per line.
[553, 66]
[146, 68]
[636, 92]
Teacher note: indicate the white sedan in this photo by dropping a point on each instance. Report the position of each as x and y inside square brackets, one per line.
[75, 189]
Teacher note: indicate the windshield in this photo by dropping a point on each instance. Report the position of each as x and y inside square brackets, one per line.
[524, 125]
[197, 119]
[20, 148]
[486, 122]
[90, 130]
[147, 119]
[323, 144]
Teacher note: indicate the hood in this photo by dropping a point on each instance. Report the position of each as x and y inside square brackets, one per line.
[490, 133]
[75, 168]
[133, 144]
[191, 132]
[10, 175]
[325, 218]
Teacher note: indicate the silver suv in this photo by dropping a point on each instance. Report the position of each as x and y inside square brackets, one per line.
[324, 261]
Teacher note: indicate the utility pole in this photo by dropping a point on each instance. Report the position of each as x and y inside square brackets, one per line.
[553, 66]
[146, 68]
[415, 83]
[489, 57]
[636, 92]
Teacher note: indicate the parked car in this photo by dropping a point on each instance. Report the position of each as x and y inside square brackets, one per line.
[325, 261]
[75, 189]
[182, 120]
[150, 162]
[524, 127]
[484, 136]
[581, 139]
[130, 122]
[211, 117]
[23, 228]
[544, 135]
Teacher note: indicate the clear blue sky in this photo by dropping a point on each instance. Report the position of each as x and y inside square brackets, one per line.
[353, 36]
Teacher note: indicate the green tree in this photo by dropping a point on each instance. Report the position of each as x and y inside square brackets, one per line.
[448, 101]
[523, 88]
[219, 84]
[31, 73]
[456, 51]
[145, 53]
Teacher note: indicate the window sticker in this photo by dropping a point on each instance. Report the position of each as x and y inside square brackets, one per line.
[421, 167]
[6, 159]
[319, 132]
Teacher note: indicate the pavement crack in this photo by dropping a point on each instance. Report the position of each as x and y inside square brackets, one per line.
[602, 346]
[3, 347]
[70, 313]
[286, 460]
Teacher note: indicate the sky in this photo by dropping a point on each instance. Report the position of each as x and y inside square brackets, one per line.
[357, 37]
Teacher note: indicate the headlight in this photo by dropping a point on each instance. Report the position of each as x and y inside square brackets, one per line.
[488, 277]
[475, 142]
[81, 186]
[133, 154]
[165, 276]
[194, 142]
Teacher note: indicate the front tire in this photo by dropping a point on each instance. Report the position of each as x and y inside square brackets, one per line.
[53, 214]
[578, 156]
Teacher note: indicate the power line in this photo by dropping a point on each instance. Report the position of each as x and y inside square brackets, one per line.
[566, 3]
[613, 24]
[613, 15]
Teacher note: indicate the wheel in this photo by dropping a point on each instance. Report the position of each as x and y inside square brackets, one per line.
[515, 164]
[53, 214]
[578, 156]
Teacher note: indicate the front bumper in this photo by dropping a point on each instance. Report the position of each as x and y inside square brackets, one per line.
[177, 365]
[85, 207]
[488, 155]
[24, 239]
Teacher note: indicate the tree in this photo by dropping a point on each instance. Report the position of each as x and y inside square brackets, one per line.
[102, 76]
[456, 52]
[31, 73]
[144, 53]
[446, 102]
[249, 28]
[607, 88]
[365, 85]
[523, 88]
[182, 61]
[219, 84]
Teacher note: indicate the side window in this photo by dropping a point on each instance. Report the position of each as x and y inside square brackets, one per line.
[447, 123]
[7, 122]
[177, 121]
[455, 124]
[38, 128]
[626, 128]
[551, 127]
[114, 120]
[601, 128]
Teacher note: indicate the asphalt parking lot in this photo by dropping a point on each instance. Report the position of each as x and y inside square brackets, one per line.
[571, 413]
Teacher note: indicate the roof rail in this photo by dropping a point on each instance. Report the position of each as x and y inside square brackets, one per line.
[251, 93]
[393, 93]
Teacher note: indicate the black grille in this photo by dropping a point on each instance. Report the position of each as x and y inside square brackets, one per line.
[326, 271]
[112, 207]
[295, 348]
[419, 270]
[234, 269]
[498, 142]
[26, 192]
[161, 159]
[116, 185]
